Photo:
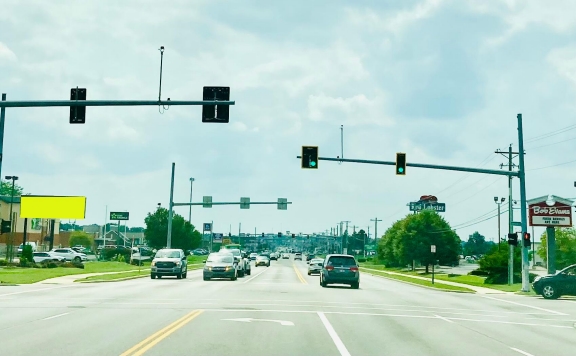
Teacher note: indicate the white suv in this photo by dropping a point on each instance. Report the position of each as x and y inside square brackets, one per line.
[69, 254]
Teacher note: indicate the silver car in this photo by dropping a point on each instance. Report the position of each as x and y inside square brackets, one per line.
[220, 265]
[315, 266]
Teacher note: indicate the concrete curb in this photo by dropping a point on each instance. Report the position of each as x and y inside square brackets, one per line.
[111, 280]
[423, 286]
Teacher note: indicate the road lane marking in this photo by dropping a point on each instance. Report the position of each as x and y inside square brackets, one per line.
[335, 338]
[55, 316]
[249, 320]
[526, 305]
[299, 275]
[36, 290]
[251, 278]
[160, 335]
[443, 318]
[520, 351]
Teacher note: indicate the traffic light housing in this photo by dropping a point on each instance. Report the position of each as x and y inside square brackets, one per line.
[279, 234]
[401, 164]
[6, 226]
[513, 239]
[78, 113]
[293, 236]
[527, 240]
[262, 234]
[310, 157]
[216, 113]
[229, 234]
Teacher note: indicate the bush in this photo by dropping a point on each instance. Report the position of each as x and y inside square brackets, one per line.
[361, 259]
[48, 264]
[453, 275]
[3, 263]
[503, 279]
[479, 272]
[24, 262]
[28, 253]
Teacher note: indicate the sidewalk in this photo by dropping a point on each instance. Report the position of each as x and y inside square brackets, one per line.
[69, 279]
[479, 290]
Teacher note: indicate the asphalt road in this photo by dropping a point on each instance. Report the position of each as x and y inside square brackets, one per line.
[277, 310]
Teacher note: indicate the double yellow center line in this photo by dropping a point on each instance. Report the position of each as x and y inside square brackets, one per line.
[299, 275]
[155, 338]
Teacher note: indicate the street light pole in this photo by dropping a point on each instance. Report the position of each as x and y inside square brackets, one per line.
[190, 211]
[499, 202]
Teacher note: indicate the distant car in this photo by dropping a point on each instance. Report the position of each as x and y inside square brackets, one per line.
[315, 266]
[274, 256]
[69, 254]
[220, 265]
[556, 285]
[309, 257]
[340, 269]
[297, 256]
[169, 262]
[285, 256]
[253, 256]
[262, 260]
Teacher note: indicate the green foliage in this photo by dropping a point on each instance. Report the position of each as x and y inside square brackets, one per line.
[495, 264]
[184, 235]
[476, 245]
[410, 239]
[6, 188]
[27, 253]
[3, 263]
[361, 259]
[565, 247]
[356, 240]
[81, 238]
[114, 254]
[478, 272]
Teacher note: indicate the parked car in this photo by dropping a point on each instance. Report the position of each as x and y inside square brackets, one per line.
[69, 254]
[33, 244]
[341, 269]
[554, 286]
[169, 262]
[46, 256]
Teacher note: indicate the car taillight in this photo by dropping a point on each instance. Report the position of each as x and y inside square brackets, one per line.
[329, 268]
[354, 269]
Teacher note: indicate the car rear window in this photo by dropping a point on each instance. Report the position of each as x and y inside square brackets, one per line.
[341, 261]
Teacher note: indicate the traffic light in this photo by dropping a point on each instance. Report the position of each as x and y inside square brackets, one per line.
[229, 234]
[401, 164]
[6, 226]
[527, 240]
[216, 113]
[513, 239]
[293, 236]
[310, 157]
[279, 234]
[262, 234]
[78, 113]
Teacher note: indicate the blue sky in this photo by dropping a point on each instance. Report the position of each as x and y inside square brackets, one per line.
[439, 80]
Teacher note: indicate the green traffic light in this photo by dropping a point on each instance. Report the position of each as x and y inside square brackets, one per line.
[400, 169]
[312, 164]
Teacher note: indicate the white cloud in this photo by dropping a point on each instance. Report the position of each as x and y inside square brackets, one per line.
[6, 54]
[564, 61]
[356, 110]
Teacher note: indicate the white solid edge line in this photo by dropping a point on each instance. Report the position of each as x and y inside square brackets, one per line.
[56, 316]
[335, 338]
[445, 319]
[36, 290]
[526, 305]
[520, 351]
[251, 278]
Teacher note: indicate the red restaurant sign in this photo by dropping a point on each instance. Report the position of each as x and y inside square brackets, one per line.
[542, 214]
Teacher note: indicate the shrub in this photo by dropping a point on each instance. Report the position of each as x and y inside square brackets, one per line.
[28, 253]
[3, 263]
[361, 259]
[453, 275]
[478, 272]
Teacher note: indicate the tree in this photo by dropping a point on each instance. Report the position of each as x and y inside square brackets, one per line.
[356, 240]
[6, 188]
[80, 238]
[476, 245]
[410, 239]
[184, 235]
[565, 247]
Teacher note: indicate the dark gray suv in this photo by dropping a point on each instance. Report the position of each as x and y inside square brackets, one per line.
[340, 269]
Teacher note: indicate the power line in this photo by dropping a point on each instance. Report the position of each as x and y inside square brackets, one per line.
[555, 165]
[497, 179]
[484, 162]
[551, 144]
[551, 133]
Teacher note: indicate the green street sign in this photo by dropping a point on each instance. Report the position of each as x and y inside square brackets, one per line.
[244, 203]
[207, 201]
[119, 215]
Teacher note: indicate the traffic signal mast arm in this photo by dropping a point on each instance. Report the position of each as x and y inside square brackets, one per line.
[52, 103]
[421, 165]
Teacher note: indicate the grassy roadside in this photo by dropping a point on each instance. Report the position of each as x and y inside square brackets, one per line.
[421, 282]
[17, 275]
[477, 281]
[145, 272]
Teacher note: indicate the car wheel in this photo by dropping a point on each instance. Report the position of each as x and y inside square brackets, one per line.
[355, 285]
[152, 276]
[241, 274]
[309, 273]
[322, 283]
[159, 276]
[185, 275]
[206, 278]
[234, 278]
[249, 271]
[550, 292]
[76, 259]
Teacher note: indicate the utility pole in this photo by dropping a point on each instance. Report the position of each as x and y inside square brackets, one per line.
[509, 155]
[343, 240]
[376, 220]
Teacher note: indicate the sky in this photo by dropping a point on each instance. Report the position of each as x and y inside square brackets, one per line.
[441, 81]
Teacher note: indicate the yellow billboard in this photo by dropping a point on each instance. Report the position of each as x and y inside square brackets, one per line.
[52, 207]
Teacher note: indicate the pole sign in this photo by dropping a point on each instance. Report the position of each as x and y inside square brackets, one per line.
[119, 215]
[550, 211]
[433, 248]
[208, 227]
[217, 238]
[417, 206]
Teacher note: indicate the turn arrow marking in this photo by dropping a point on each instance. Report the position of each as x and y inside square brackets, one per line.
[249, 320]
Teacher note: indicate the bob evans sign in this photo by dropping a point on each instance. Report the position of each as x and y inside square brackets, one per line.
[541, 213]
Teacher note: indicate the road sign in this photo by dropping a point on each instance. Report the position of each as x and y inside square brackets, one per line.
[208, 227]
[282, 204]
[216, 113]
[417, 206]
[207, 201]
[119, 215]
[433, 248]
[217, 238]
[244, 203]
[516, 223]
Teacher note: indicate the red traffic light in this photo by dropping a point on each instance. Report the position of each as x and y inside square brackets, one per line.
[527, 239]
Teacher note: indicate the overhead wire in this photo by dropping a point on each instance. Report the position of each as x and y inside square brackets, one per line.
[551, 133]
[554, 165]
[551, 144]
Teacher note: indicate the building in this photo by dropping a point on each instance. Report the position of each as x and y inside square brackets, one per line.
[37, 229]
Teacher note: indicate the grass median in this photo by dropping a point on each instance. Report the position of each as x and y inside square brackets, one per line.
[19, 275]
[126, 275]
[421, 282]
